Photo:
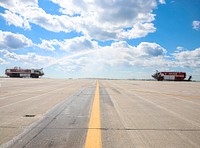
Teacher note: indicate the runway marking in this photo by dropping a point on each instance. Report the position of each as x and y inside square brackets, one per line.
[28, 91]
[169, 111]
[93, 139]
[31, 98]
[167, 94]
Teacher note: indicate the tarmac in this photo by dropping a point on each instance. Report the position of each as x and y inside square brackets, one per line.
[98, 113]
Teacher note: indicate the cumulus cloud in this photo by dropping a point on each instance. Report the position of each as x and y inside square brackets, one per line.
[98, 58]
[16, 20]
[180, 49]
[13, 3]
[162, 1]
[188, 55]
[97, 19]
[151, 49]
[78, 43]
[50, 22]
[138, 30]
[118, 54]
[70, 45]
[188, 58]
[3, 62]
[115, 20]
[121, 54]
[48, 44]
[20, 13]
[30, 59]
[196, 25]
[9, 40]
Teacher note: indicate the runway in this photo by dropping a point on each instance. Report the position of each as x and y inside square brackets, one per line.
[117, 113]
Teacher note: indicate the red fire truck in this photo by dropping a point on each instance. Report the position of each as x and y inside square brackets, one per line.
[170, 76]
[18, 72]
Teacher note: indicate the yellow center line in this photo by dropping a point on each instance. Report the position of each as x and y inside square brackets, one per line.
[93, 139]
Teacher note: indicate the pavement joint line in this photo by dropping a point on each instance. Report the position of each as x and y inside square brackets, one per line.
[93, 139]
[112, 129]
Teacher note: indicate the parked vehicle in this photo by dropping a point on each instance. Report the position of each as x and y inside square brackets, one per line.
[170, 76]
[19, 72]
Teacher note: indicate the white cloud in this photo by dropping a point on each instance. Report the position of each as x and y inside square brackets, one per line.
[3, 62]
[196, 25]
[16, 13]
[162, 1]
[188, 55]
[138, 30]
[98, 58]
[48, 44]
[9, 40]
[78, 44]
[21, 3]
[188, 58]
[121, 54]
[29, 59]
[151, 49]
[50, 22]
[10, 55]
[110, 19]
[118, 54]
[180, 49]
[70, 45]
[16, 20]
[97, 19]
[21, 13]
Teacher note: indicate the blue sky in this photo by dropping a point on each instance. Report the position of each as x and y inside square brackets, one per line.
[99, 38]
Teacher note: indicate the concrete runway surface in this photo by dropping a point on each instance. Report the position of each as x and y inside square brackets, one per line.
[105, 113]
